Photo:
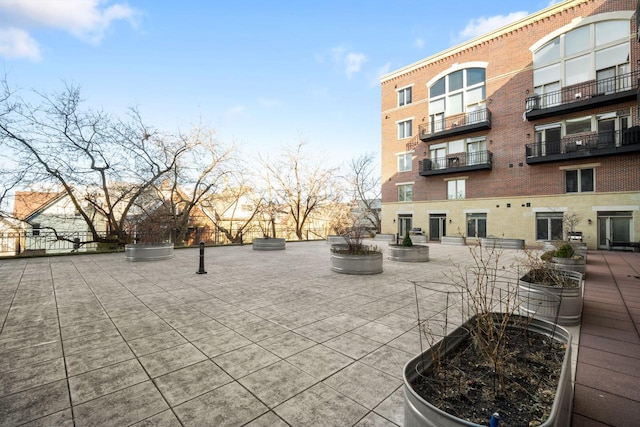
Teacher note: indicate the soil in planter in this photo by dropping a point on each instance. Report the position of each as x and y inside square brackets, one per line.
[549, 277]
[467, 388]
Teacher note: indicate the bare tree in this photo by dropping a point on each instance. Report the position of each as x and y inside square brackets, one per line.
[365, 184]
[103, 164]
[204, 170]
[300, 185]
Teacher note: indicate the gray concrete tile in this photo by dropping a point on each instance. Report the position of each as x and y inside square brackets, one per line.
[105, 380]
[192, 381]
[319, 331]
[286, 344]
[88, 328]
[172, 359]
[320, 361]
[388, 359]
[154, 343]
[374, 420]
[63, 418]
[91, 342]
[364, 384]
[261, 330]
[29, 337]
[277, 383]
[135, 328]
[122, 407]
[97, 358]
[352, 345]
[320, 405]
[378, 332]
[345, 321]
[30, 355]
[270, 419]
[245, 360]
[34, 403]
[31, 376]
[215, 345]
[200, 330]
[240, 319]
[228, 405]
[392, 408]
[163, 419]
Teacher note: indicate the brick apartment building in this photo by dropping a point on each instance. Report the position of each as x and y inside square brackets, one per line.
[507, 134]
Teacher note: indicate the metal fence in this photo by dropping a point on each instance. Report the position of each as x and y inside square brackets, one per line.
[42, 242]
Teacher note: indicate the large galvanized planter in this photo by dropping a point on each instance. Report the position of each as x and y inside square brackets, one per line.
[418, 239]
[539, 300]
[148, 252]
[420, 413]
[271, 244]
[418, 253]
[357, 264]
[571, 264]
[335, 239]
[501, 243]
[453, 240]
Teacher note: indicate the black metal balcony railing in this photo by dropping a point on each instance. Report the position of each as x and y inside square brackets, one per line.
[457, 124]
[584, 145]
[456, 163]
[583, 96]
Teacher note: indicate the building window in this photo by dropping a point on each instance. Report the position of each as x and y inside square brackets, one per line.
[549, 226]
[35, 229]
[404, 129]
[404, 96]
[597, 51]
[404, 162]
[405, 193]
[579, 180]
[477, 225]
[456, 189]
[461, 91]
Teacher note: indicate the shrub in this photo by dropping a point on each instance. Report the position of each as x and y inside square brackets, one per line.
[564, 251]
[407, 240]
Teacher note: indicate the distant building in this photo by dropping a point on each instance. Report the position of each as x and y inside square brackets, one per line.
[509, 133]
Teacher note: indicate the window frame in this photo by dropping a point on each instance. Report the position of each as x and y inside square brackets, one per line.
[475, 218]
[579, 180]
[405, 159]
[403, 194]
[402, 95]
[550, 218]
[460, 190]
[403, 125]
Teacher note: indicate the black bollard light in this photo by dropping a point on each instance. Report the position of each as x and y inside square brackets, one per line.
[201, 269]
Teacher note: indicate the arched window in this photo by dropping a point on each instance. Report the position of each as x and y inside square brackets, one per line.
[596, 51]
[461, 91]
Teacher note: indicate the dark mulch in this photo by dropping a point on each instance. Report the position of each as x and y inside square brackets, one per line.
[467, 387]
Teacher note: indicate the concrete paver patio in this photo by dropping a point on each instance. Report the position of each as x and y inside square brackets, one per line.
[265, 338]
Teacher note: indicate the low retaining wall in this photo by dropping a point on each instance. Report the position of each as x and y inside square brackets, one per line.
[273, 244]
[385, 237]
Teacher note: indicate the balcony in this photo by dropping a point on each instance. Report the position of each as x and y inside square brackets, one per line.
[585, 145]
[456, 125]
[583, 96]
[454, 163]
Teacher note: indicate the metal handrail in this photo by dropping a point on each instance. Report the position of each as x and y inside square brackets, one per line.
[583, 91]
[458, 120]
[587, 141]
[457, 160]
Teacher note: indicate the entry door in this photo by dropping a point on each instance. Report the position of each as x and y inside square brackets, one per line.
[615, 226]
[437, 224]
[405, 223]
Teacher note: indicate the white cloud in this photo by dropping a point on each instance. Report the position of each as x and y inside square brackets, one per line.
[87, 20]
[354, 62]
[419, 42]
[235, 111]
[17, 43]
[348, 62]
[480, 26]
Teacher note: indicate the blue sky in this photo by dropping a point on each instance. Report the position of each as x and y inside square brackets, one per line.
[262, 73]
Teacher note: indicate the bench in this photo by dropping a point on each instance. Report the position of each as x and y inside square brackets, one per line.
[623, 244]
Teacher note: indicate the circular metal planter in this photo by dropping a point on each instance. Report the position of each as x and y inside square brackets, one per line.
[420, 413]
[416, 253]
[502, 243]
[540, 300]
[271, 244]
[154, 252]
[571, 264]
[453, 240]
[356, 264]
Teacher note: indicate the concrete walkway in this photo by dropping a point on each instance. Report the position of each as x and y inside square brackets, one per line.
[264, 339]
